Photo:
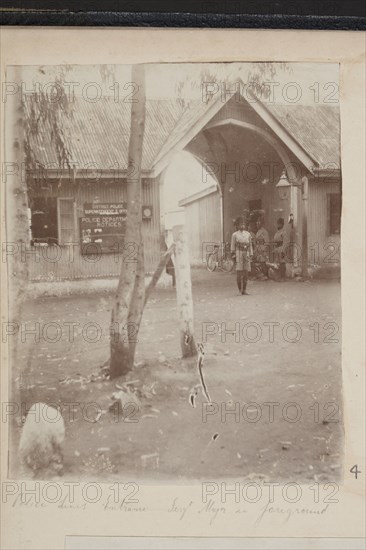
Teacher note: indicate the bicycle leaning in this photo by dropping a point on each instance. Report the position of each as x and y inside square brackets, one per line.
[220, 258]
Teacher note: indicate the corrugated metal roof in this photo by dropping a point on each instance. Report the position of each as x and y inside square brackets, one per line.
[99, 132]
[194, 111]
[316, 128]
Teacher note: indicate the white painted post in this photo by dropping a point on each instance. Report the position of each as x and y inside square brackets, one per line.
[304, 252]
[184, 292]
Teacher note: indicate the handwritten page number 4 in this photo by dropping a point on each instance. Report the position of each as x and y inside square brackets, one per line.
[354, 470]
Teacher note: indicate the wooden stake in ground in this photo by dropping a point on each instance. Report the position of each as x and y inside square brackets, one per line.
[184, 292]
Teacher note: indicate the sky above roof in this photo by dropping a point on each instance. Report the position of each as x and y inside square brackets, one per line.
[301, 83]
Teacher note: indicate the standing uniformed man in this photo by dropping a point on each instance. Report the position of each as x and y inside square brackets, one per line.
[280, 240]
[242, 251]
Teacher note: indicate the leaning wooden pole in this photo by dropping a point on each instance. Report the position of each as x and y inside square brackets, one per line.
[184, 292]
[158, 271]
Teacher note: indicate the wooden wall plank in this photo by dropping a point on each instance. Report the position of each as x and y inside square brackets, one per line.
[72, 265]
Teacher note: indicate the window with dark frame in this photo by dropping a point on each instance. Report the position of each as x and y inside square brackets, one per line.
[334, 213]
[44, 220]
[53, 220]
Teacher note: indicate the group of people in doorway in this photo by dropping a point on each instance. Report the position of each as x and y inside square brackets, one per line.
[251, 248]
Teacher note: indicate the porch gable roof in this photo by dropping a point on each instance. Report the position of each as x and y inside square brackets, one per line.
[312, 133]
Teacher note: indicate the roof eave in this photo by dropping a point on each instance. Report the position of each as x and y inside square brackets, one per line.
[334, 173]
[199, 195]
[55, 174]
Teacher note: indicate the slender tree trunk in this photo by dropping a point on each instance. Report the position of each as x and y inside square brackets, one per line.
[184, 292]
[17, 228]
[130, 295]
[137, 303]
[17, 225]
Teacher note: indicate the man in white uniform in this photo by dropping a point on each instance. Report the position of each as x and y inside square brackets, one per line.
[242, 251]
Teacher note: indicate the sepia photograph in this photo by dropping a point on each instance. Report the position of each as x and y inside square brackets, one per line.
[173, 268]
[182, 301]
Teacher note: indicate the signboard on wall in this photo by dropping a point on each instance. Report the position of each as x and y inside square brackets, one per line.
[103, 227]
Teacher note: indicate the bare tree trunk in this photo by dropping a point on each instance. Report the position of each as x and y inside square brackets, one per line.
[184, 292]
[130, 296]
[137, 303]
[17, 226]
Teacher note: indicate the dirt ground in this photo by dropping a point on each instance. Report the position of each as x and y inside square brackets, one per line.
[286, 394]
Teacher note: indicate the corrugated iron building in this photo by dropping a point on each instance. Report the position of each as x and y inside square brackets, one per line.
[244, 145]
[96, 137]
